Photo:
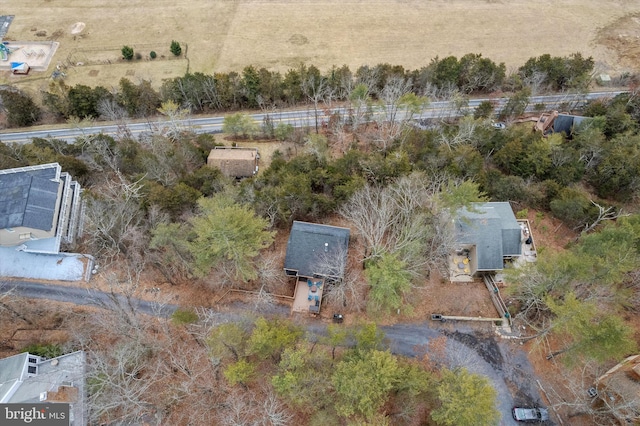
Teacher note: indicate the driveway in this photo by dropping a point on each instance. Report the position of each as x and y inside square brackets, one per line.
[83, 296]
[479, 351]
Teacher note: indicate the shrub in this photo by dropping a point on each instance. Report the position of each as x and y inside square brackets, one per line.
[46, 350]
[573, 207]
[539, 107]
[240, 372]
[153, 54]
[21, 109]
[283, 131]
[138, 55]
[127, 52]
[184, 316]
[175, 48]
[484, 110]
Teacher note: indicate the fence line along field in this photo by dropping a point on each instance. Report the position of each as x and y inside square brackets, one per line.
[226, 35]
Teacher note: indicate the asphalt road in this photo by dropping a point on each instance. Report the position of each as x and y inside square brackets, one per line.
[297, 118]
[501, 361]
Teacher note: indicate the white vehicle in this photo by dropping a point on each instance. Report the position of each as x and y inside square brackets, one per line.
[532, 415]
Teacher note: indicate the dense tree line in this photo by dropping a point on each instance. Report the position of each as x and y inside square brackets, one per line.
[261, 88]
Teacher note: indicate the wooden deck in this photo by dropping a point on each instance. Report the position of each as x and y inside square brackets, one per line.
[305, 299]
[460, 268]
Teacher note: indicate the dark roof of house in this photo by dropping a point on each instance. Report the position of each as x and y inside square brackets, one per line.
[566, 123]
[306, 246]
[493, 229]
[28, 198]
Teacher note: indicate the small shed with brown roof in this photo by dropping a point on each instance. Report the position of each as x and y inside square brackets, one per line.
[234, 162]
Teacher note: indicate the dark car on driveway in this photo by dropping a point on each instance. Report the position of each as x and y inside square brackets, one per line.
[531, 415]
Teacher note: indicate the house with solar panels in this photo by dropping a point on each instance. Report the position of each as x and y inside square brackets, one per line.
[40, 208]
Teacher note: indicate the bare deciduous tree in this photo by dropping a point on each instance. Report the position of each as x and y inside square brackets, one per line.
[604, 213]
[172, 158]
[120, 380]
[343, 288]
[371, 210]
[270, 274]
[534, 82]
[613, 403]
[252, 408]
[403, 218]
[114, 217]
[464, 133]
[397, 108]
[110, 110]
[534, 283]
[100, 153]
[9, 302]
[317, 90]
[176, 116]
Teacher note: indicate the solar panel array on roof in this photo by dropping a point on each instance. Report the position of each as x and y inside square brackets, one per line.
[41, 204]
[28, 198]
[14, 191]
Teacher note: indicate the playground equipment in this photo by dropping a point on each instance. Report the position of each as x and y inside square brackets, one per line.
[4, 52]
[20, 68]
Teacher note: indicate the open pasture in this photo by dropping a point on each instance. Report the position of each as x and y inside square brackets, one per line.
[226, 35]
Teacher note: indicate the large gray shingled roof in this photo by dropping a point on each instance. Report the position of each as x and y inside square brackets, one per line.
[28, 198]
[307, 242]
[493, 229]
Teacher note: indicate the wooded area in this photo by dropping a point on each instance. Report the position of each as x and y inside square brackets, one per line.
[154, 204]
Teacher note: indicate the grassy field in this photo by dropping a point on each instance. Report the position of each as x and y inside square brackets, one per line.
[225, 35]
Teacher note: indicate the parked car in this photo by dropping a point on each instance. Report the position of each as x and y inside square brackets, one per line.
[530, 414]
[499, 126]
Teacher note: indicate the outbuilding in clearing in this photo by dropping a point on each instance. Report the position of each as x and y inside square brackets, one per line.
[234, 162]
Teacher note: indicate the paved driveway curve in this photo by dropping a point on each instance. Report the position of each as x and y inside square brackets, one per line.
[505, 365]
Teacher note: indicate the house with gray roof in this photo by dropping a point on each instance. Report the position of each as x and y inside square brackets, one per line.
[40, 207]
[28, 378]
[487, 234]
[316, 251]
[567, 123]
